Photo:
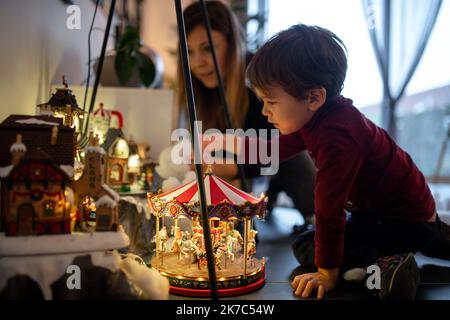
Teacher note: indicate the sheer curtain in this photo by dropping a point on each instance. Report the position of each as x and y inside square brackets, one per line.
[399, 31]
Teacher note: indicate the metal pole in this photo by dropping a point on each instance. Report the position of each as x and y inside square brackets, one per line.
[196, 144]
[245, 246]
[223, 98]
[100, 66]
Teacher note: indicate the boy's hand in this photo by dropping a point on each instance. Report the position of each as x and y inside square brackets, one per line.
[323, 281]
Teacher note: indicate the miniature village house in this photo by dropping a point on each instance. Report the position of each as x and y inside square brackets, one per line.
[117, 154]
[101, 120]
[63, 104]
[35, 198]
[44, 132]
[91, 188]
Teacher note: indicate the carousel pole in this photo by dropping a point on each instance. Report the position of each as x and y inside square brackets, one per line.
[158, 241]
[196, 144]
[222, 96]
[245, 246]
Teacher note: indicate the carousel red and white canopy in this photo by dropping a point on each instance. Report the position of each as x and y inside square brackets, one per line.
[217, 191]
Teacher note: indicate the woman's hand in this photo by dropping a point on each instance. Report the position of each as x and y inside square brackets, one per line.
[322, 281]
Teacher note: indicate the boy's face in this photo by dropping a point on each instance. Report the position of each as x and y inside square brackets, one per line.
[287, 113]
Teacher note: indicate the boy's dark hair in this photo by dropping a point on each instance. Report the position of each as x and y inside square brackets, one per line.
[298, 59]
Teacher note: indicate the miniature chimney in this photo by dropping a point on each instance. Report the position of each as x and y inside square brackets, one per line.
[54, 137]
[18, 150]
[91, 139]
[64, 82]
[96, 140]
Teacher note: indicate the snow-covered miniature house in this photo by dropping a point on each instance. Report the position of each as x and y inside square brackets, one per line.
[117, 154]
[63, 104]
[92, 185]
[35, 199]
[45, 132]
[102, 119]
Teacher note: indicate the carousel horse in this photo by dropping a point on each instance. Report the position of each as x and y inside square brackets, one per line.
[231, 245]
[177, 243]
[188, 246]
[199, 256]
[239, 240]
[251, 245]
[219, 250]
[163, 237]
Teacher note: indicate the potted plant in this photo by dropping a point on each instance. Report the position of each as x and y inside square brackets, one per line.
[132, 57]
[131, 63]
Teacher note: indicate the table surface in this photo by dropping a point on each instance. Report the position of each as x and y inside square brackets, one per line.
[275, 238]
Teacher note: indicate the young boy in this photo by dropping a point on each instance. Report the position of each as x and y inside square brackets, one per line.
[299, 74]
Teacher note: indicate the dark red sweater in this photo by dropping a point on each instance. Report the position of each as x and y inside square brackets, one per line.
[359, 166]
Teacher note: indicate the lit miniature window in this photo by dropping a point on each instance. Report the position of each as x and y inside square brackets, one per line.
[116, 173]
[121, 149]
[49, 208]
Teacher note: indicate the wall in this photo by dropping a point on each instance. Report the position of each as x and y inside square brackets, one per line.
[37, 49]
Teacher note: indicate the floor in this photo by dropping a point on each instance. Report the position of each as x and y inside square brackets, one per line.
[275, 238]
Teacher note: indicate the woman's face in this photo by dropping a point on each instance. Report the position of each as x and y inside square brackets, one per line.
[200, 56]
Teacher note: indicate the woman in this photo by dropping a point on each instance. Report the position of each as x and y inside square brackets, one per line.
[244, 107]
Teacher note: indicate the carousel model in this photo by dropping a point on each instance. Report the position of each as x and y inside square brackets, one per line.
[182, 258]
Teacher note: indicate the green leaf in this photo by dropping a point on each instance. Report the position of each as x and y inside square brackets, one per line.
[130, 36]
[147, 70]
[124, 64]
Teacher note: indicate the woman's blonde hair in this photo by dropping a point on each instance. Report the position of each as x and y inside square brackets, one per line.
[209, 108]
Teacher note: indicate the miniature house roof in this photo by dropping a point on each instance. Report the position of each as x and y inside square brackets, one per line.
[113, 194]
[105, 201]
[36, 132]
[37, 156]
[111, 136]
[62, 98]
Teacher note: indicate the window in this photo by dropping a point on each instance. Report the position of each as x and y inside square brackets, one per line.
[116, 173]
[346, 19]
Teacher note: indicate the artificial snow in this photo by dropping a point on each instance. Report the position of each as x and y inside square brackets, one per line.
[45, 112]
[46, 258]
[190, 176]
[67, 169]
[111, 192]
[46, 269]
[170, 184]
[149, 281]
[140, 206]
[4, 171]
[94, 149]
[37, 121]
[105, 201]
[167, 168]
[62, 243]
[15, 147]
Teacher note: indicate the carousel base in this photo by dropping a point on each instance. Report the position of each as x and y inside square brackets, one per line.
[191, 280]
